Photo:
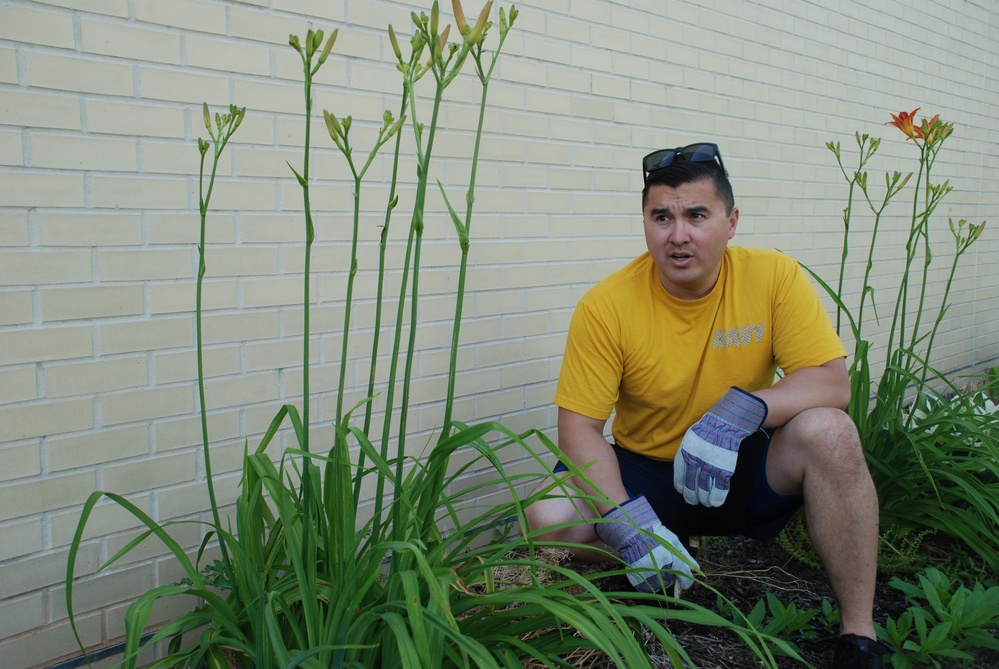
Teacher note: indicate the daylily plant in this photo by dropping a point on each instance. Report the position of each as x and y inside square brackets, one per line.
[944, 479]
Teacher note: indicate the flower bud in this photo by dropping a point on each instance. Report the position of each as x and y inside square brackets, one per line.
[459, 16]
[395, 43]
[329, 46]
[332, 125]
[480, 24]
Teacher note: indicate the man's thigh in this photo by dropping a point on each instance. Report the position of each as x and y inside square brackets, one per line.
[752, 507]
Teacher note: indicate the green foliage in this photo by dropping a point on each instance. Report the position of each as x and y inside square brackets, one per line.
[934, 460]
[307, 576]
[898, 547]
[784, 624]
[945, 621]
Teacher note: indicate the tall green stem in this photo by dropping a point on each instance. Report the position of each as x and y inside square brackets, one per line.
[225, 127]
[464, 232]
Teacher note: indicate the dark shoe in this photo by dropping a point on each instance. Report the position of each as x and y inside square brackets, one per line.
[857, 652]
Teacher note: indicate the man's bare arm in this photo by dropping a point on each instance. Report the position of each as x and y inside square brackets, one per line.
[812, 387]
[582, 439]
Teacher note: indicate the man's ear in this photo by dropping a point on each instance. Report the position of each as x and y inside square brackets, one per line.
[733, 222]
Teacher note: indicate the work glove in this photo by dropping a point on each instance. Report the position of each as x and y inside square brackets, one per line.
[704, 464]
[638, 536]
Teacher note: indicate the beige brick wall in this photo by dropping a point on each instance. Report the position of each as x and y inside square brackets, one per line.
[100, 107]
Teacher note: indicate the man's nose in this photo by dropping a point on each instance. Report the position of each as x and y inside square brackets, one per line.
[680, 232]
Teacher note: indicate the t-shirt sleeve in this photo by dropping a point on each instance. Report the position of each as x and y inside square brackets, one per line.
[590, 378]
[803, 334]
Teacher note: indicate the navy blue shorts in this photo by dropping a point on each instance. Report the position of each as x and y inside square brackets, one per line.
[751, 509]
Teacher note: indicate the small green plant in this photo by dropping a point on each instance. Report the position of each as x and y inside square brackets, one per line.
[935, 462]
[898, 547]
[945, 621]
[784, 624]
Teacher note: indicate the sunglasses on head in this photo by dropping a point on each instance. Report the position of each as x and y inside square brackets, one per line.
[702, 152]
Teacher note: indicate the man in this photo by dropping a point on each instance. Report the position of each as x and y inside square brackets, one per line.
[683, 344]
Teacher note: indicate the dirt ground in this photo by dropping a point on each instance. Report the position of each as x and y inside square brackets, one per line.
[747, 571]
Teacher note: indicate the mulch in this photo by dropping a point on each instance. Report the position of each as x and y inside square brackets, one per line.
[746, 571]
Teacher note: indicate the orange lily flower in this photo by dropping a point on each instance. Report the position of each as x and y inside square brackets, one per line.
[925, 131]
[904, 122]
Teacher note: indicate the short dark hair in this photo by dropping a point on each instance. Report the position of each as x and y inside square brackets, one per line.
[681, 172]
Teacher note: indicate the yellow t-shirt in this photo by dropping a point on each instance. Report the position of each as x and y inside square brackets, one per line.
[662, 362]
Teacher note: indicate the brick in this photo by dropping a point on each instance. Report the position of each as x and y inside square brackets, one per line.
[11, 153]
[180, 297]
[46, 494]
[21, 461]
[138, 193]
[16, 307]
[117, 8]
[330, 11]
[241, 391]
[8, 67]
[270, 227]
[174, 158]
[23, 108]
[95, 448]
[84, 75]
[149, 473]
[154, 334]
[263, 26]
[127, 41]
[37, 420]
[17, 384]
[107, 517]
[275, 355]
[83, 153]
[227, 56]
[183, 365]
[143, 405]
[186, 535]
[188, 14]
[127, 118]
[61, 304]
[45, 344]
[144, 265]
[51, 642]
[88, 229]
[272, 292]
[29, 188]
[182, 86]
[34, 268]
[37, 26]
[14, 229]
[67, 380]
[167, 228]
[240, 327]
[243, 195]
[23, 614]
[173, 434]
[183, 500]
[243, 261]
[98, 593]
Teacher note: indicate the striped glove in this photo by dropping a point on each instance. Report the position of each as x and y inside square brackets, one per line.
[704, 464]
[642, 541]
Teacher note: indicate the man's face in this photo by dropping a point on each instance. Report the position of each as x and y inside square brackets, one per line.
[687, 230]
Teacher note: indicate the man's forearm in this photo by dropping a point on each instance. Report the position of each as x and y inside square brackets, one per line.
[582, 440]
[808, 388]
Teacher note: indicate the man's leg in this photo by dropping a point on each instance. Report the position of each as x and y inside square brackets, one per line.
[818, 454]
[547, 513]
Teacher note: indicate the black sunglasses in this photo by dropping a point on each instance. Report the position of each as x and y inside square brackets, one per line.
[702, 152]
